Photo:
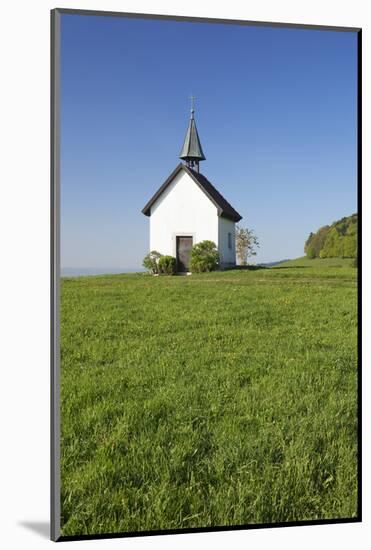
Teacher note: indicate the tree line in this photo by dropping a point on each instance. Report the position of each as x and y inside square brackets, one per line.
[338, 240]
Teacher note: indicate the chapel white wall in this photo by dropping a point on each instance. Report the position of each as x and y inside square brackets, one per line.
[182, 209]
[227, 255]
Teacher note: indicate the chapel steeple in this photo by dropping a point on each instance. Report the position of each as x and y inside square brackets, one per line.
[192, 151]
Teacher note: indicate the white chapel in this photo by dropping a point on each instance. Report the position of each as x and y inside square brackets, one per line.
[187, 209]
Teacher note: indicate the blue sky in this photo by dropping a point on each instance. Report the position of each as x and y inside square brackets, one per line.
[275, 111]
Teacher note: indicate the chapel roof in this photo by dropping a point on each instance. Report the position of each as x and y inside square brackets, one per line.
[225, 209]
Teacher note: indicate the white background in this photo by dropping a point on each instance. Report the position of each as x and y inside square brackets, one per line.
[24, 253]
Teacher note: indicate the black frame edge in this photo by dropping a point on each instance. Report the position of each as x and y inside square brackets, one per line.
[226, 528]
[359, 262]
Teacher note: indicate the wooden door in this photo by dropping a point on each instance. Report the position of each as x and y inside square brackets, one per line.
[183, 253]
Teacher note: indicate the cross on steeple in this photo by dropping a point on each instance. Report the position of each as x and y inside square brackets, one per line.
[192, 151]
[192, 98]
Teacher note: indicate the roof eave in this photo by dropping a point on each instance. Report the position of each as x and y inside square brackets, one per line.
[192, 157]
[232, 218]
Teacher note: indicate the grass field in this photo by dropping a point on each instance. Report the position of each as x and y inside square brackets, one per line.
[210, 400]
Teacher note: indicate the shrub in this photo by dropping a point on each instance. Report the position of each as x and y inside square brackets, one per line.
[204, 257]
[166, 265]
[150, 261]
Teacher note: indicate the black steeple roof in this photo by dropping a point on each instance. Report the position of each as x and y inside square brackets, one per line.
[192, 150]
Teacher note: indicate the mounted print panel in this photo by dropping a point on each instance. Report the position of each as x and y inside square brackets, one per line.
[205, 200]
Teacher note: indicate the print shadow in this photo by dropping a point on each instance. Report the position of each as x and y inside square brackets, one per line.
[41, 528]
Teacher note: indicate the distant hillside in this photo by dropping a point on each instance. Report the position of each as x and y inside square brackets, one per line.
[338, 240]
[272, 264]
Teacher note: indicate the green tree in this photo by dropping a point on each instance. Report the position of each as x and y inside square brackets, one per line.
[315, 242]
[308, 248]
[246, 242]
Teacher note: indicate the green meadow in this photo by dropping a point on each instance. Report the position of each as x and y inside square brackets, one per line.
[208, 400]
